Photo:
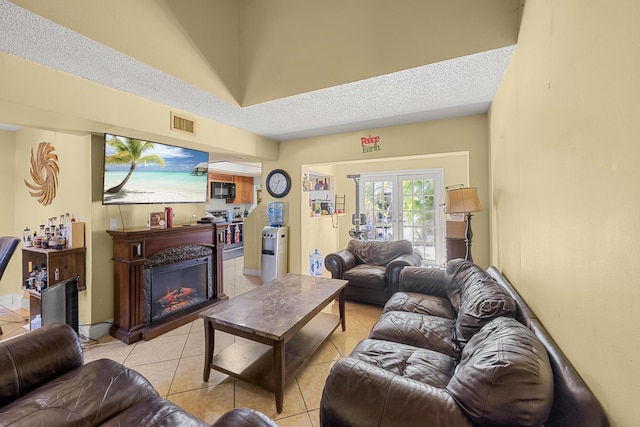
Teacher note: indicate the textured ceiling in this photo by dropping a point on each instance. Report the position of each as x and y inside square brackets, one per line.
[461, 86]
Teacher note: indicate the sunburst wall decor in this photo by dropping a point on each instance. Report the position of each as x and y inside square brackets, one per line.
[44, 172]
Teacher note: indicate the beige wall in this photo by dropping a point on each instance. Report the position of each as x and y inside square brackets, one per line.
[564, 129]
[295, 46]
[197, 41]
[438, 138]
[72, 193]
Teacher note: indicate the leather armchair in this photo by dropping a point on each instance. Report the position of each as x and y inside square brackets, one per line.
[372, 268]
[8, 246]
[44, 382]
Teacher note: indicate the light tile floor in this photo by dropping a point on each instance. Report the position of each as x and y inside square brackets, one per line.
[173, 362]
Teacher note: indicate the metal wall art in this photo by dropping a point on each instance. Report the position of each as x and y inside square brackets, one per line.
[44, 172]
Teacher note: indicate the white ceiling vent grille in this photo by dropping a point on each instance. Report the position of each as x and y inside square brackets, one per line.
[183, 124]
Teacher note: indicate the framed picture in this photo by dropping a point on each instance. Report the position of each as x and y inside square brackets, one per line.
[157, 220]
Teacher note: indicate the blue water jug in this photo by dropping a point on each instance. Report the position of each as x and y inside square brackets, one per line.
[276, 214]
[315, 263]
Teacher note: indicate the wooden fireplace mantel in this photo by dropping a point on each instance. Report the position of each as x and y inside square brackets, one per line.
[131, 248]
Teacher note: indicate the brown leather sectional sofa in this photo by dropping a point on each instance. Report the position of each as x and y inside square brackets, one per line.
[43, 382]
[457, 347]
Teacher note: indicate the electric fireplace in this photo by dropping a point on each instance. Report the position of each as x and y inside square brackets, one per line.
[163, 278]
[171, 288]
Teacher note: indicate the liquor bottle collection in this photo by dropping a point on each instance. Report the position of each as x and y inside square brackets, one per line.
[53, 235]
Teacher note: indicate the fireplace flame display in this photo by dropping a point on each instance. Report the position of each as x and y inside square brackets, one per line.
[177, 299]
[176, 280]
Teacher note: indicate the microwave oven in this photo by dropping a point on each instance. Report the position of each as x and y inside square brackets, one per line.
[223, 190]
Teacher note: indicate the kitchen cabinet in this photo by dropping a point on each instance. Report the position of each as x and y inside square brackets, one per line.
[244, 190]
[244, 186]
[219, 177]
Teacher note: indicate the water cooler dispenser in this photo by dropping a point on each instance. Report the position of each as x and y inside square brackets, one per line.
[274, 252]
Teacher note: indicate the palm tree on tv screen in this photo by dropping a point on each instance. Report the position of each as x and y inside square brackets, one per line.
[129, 151]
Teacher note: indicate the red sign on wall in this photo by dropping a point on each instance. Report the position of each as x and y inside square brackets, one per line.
[370, 144]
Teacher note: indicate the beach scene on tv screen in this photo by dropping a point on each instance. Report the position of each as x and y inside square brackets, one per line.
[138, 171]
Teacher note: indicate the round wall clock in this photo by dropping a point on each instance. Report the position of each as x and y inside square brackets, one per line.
[278, 183]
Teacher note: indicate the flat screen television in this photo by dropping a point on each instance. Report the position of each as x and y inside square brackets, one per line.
[145, 172]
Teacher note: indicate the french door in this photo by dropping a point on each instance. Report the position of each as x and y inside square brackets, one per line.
[404, 205]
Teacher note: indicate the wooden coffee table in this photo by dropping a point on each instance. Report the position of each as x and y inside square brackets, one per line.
[283, 324]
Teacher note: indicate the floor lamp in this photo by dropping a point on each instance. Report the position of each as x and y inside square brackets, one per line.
[461, 199]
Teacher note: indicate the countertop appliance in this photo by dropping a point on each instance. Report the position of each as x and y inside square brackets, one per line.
[223, 190]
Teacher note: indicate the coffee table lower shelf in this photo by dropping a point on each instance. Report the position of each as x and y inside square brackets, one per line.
[254, 362]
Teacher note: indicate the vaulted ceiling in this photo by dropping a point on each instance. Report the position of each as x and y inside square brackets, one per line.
[283, 69]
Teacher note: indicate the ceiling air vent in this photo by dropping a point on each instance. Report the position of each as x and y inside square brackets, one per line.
[183, 124]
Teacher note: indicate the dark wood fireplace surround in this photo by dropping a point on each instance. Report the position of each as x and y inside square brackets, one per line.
[131, 249]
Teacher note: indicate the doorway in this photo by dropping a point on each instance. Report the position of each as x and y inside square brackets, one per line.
[405, 205]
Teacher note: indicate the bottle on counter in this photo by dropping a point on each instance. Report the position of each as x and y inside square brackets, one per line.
[26, 238]
[45, 238]
[37, 240]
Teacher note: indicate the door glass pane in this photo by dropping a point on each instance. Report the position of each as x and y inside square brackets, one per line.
[378, 207]
[418, 214]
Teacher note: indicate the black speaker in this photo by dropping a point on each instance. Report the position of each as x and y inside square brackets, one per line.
[60, 303]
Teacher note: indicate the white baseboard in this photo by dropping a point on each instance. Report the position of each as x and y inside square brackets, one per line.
[95, 331]
[14, 301]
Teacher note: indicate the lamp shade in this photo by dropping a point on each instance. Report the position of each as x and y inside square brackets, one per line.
[462, 200]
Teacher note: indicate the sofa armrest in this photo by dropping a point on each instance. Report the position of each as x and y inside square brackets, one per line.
[244, 417]
[423, 280]
[384, 399]
[339, 262]
[395, 266]
[29, 360]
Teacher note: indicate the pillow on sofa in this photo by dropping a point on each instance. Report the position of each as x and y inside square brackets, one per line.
[481, 300]
[504, 377]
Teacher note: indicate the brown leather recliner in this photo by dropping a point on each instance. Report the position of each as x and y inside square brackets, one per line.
[372, 268]
[43, 382]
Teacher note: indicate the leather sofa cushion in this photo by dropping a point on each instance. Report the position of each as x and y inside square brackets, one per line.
[378, 252]
[417, 330]
[88, 395]
[423, 280]
[420, 303]
[459, 274]
[504, 366]
[481, 300]
[422, 365]
[154, 411]
[366, 276]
